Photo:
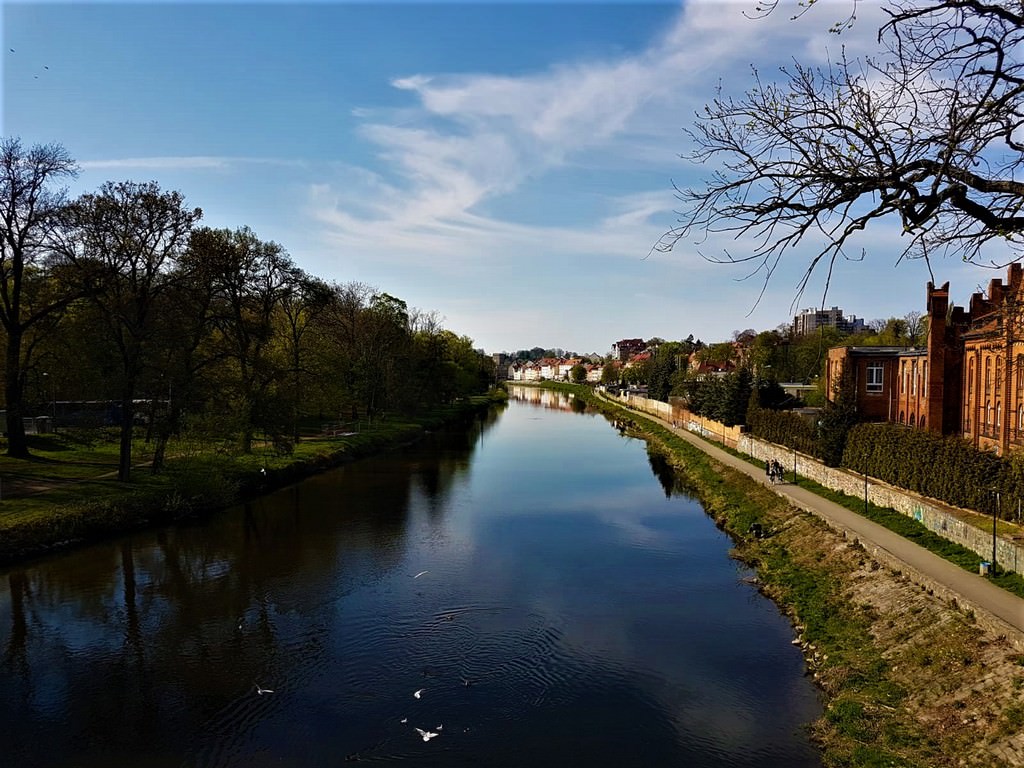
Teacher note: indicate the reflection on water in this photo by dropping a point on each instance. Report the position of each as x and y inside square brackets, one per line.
[553, 603]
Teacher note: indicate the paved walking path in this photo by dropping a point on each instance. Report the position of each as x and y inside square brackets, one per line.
[975, 591]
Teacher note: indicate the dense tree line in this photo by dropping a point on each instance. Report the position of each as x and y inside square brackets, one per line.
[121, 294]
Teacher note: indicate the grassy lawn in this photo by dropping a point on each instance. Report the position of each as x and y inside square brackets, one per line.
[68, 490]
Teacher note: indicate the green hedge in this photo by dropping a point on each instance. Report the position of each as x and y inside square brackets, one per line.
[784, 428]
[948, 469]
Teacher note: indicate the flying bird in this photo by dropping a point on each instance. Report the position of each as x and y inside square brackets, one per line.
[418, 693]
[427, 735]
[261, 691]
[421, 573]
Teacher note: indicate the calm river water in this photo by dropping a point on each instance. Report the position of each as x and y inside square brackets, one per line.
[550, 598]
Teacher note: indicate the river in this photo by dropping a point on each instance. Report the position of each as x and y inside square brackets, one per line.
[531, 588]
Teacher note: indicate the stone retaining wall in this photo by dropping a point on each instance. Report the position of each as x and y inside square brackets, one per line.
[1009, 554]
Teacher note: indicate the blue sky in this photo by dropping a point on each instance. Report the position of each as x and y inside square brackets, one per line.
[507, 166]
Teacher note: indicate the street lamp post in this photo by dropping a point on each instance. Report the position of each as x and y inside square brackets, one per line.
[53, 400]
[995, 516]
[865, 493]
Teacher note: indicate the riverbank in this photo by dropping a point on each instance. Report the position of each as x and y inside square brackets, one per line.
[63, 497]
[909, 679]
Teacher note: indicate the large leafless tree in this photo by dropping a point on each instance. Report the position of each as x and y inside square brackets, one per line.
[928, 131]
[29, 298]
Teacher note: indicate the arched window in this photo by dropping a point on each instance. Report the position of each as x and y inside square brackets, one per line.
[970, 379]
[922, 422]
[999, 375]
[999, 414]
[912, 420]
[903, 376]
[902, 421]
[988, 376]
[913, 378]
[1020, 417]
[988, 414]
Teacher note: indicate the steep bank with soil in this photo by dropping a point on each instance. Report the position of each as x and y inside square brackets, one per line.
[909, 679]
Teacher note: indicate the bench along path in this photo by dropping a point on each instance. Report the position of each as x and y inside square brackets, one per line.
[1005, 611]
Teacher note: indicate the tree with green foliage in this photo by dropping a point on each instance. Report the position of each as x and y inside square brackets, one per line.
[734, 394]
[611, 372]
[124, 244]
[250, 278]
[838, 417]
[578, 374]
[665, 363]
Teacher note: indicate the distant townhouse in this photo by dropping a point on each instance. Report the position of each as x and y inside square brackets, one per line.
[524, 370]
[638, 359]
[626, 348]
[700, 366]
[566, 366]
[549, 368]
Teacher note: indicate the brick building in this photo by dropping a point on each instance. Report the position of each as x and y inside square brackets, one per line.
[993, 390]
[968, 380]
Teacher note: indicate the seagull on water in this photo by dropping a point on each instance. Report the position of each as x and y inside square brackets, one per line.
[418, 693]
[261, 691]
[427, 735]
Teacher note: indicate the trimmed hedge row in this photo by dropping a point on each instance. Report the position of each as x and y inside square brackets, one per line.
[948, 469]
[784, 428]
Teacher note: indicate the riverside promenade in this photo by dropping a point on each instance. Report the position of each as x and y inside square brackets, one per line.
[1005, 612]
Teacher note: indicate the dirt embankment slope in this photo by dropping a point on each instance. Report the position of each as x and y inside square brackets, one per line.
[910, 677]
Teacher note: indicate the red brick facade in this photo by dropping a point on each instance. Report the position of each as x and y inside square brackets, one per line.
[993, 393]
[968, 380]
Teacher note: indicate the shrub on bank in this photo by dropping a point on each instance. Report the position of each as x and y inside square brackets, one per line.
[784, 428]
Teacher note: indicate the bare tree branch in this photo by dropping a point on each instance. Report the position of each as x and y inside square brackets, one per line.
[930, 131]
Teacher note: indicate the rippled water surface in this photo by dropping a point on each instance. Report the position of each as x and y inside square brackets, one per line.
[552, 601]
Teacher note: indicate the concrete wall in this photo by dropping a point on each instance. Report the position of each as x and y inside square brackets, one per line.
[1009, 554]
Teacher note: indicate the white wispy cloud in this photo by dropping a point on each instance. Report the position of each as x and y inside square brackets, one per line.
[471, 143]
[179, 163]
[477, 137]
